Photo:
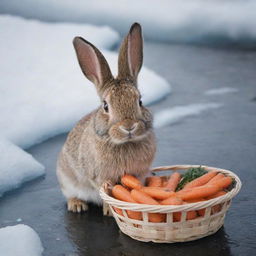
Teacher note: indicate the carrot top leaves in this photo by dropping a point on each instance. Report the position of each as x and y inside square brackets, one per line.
[190, 175]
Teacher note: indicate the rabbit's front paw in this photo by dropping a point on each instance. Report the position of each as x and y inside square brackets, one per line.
[77, 205]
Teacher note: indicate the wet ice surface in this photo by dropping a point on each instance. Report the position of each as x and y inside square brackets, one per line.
[223, 137]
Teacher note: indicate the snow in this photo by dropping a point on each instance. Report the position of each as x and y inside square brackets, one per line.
[43, 90]
[166, 20]
[17, 166]
[20, 240]
[176, 114]
[221, 91]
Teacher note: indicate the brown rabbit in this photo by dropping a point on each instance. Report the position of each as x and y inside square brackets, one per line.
[117, 137]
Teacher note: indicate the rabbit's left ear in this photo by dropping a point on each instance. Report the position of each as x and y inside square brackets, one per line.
[92, 63]
[131, 54]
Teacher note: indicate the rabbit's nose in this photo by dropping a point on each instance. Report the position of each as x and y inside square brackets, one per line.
[130, 129]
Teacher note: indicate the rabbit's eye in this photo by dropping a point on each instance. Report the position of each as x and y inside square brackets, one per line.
[105, 106]
[140, 102]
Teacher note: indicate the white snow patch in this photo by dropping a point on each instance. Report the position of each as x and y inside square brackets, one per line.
[168, 20]
[43, 90]
[178, 113]
[220, 91]
[20, 240]
[17, 166]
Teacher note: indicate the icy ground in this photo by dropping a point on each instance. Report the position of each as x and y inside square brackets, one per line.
[19, 240]
[166, 20]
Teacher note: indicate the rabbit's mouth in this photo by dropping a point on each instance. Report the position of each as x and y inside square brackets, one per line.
[121, 133]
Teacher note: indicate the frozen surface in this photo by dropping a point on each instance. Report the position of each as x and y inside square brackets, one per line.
[168, 20]
[220, 91]
[19, 240]
[16, 167]
[176, 114]
[43, 91]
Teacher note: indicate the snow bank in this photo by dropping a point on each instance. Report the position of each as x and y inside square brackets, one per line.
[178, 113]
[168, 20]
[16, 167]
[20, 240]
[220, 91]
[43, 90]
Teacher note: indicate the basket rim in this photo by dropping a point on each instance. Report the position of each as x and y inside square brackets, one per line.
[173, 208]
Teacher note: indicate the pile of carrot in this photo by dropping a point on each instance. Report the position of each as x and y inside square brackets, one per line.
[161, 191]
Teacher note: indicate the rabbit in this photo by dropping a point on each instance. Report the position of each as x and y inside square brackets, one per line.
[115, 139]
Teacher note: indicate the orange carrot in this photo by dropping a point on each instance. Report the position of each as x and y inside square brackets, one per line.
[216, 177]
[118, 211]
[130, 181]
[190, 216]
[154, 181]
[142, 198]
[156, 217]
[216, 208]
[223, 182]
[197, 192]
[173, 181]
[134, 215]
[164, 183]
[220, 193]
[121, 193]
[157, 193]
[172, 201]
[201, 180]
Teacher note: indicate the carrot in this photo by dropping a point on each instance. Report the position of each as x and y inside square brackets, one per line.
[118, 211]
[195, 200]
[157, 193]
[142, 198]
[202, 180]
[190, 216]
[220, 193]
[173, 181]
[223, 182]
[172, 201]
[216, 208]
[121, 193]
[216, 177]
[164, 183]
[154, 181]
[156, 217]
[130, 181]
[197, 192]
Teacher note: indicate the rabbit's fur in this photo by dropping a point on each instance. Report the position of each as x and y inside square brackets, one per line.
[116, 138]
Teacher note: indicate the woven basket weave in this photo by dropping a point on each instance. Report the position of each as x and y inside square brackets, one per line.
[170, 231]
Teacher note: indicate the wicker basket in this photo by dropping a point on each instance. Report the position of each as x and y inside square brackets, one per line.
[170, 231]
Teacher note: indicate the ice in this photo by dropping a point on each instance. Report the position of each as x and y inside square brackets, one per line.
[16, 166]
[19, 240]
[220, 91]
[167, 20]
[43, 90]
[176, 114]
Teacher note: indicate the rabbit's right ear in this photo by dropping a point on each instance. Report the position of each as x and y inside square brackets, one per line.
[131, 54]
[92, 63]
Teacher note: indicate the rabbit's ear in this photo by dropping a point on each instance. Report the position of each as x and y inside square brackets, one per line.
[92, 63]
[131, 54]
